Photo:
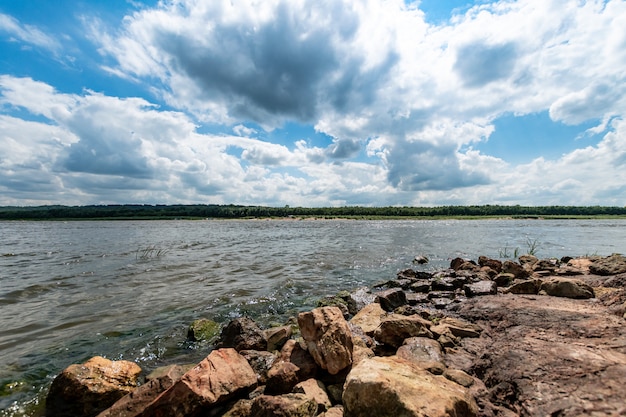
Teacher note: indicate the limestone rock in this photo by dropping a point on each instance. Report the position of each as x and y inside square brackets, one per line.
[135, 402]
[529, 260]
[391, 299]
[243, 334]
[315, 390]
[425, 352]
[369, 318]
[395, 328]
[286, 405]
[567, 287]
[328, 338]
[219, 377]
[277, 336]
[391, 387]
[87, 389]
[481, 288]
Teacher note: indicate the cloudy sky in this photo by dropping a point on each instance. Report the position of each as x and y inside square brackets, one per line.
[313, 102]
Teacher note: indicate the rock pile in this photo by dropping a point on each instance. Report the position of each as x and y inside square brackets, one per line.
[417, 345]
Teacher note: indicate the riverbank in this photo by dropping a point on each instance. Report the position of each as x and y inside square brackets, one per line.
[484, 337]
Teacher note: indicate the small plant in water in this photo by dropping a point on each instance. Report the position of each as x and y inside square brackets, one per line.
[532, 245]
[149, 253]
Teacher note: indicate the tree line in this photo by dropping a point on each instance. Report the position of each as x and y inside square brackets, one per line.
[231, 211]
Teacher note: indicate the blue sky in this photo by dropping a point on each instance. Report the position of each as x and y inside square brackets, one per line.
[309, 103]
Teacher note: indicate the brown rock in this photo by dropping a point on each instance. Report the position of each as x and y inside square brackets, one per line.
[336, 411]
[315, 390]
[295, 364]
[221, 376]
[261, 361]
[135, 402]
[277, 336]
[390, 386]
[480, 288]
[510, 267]
[395, 328]
[611, 265]
[286, 405]
[87, 389]
[504, 280]
[391, 299]
[243, 334]
[242, 408]
[567, 287]
[459, 377]
[529, 260]
[494, 264]
[369, 318]
[424, 352]
[524, 287]
[328, 338]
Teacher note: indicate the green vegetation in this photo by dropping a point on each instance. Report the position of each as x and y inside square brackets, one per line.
[200, 211]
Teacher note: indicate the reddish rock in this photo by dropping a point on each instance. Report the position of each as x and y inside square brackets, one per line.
[494, 264]
[524, 287]
[277, 336]
[369, 318]
[221, 376]
[294, 365]
[328, 338]
[518, 271]
[87, 389]
[315, 390]
[243, 334]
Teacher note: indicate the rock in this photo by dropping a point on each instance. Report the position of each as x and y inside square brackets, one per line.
[443, 284]
[286, 405]
[510, 267]
[567, 287]
[390, 386]
[480, 288]
[203, 330]
[276, 337]
[425, 352]
[369, 318]
[328, 338]
[135, 402]
[242, 408]
[242, 334]
[346, 302]
[611, 265]
[494, 264]
[504, 279]
[261, 362]
[391, 299]
[362, 297]
[414, 299]
[395, 328]
[294, 365]
[87, 389]
[221, 376]
[529, 260]
[421, 285]
[420, 259]
[456, 327]
[336, 411]
[459, 377]
[412, 274]
[524, 287]
[315, 390]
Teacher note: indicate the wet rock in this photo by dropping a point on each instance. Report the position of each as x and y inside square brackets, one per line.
[420, 260]
[315, 390]
[611, 265]
[243, 334]
[441, 303]
[394, 329]
[328, 338]
[277, 336]
[413, 275]
[494, 264]
[261, 362]
[391, 299]
[362, 297]
[286, 405]
[481, 288]
[524, 287]
[136, 401]
[221, 376]
[510, 267]
[567, 287]
[203, 330]
[345, 301]
[390, 386]
[421, 285]
[87, 389]
[369, 318]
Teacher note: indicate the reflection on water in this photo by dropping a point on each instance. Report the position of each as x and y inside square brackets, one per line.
[69, 291]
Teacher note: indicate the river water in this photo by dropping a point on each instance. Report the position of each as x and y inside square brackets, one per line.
[128, 290]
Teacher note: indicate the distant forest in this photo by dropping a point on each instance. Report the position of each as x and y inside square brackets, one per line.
[201, 211]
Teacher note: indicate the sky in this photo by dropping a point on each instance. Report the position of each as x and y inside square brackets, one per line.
[313, 102]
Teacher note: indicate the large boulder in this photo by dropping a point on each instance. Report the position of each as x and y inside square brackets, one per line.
[328, 338]
[395, 328]
[391, 387]
[425, 352]
[221, 376]
[567, 287]
[87, 389]
[243, 334]
[611, 265]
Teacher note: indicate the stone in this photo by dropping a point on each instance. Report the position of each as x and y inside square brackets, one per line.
[414, 299]
[315, 390]
[242, 408]
[285, 405]
[277, 336]
[480, 288]
[242, 334]
[520, 286]
[420, 260]
[395, 328]
[460, 377]
[611, 265]
[529, 260]
[261, 362]
[328, 338]
[518, 271]
[425, 352]
[336, 411]
[294, 365]
[391, 387]
[369, 318]
[203, 330]
[87, 389]
[362, 297]
[136, 401]
[391, 299]
[223, 375]
[412, 274]
[494, 264]
[567, 287]
[456, 327]
[504, 279]
[443, 284]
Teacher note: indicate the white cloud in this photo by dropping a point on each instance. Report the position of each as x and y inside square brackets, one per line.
[27, 34]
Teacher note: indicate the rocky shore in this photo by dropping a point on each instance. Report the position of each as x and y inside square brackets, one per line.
[531, 337]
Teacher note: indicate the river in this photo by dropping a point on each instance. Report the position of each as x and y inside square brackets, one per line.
[129, 289]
